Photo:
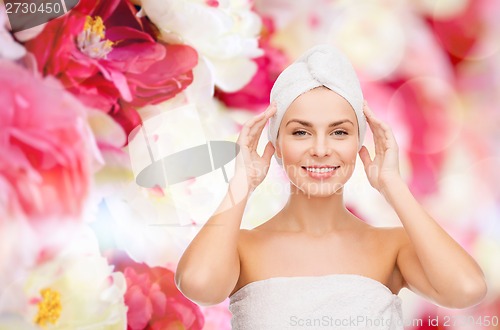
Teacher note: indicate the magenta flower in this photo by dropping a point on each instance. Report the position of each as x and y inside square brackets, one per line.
[110, 59]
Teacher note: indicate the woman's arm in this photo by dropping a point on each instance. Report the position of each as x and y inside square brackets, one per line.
[431, 262]
[210, 267]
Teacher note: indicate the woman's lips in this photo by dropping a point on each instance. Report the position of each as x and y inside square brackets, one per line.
[323, 172]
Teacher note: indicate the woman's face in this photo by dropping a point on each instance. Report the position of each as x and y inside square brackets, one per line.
[318, 142]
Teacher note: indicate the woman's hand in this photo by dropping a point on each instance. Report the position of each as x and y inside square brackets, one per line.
[250, 167]
[384, 168]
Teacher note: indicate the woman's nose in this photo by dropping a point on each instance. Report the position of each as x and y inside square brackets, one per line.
[320, 148]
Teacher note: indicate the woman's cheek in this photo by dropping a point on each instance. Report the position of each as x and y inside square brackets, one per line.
[292, 151]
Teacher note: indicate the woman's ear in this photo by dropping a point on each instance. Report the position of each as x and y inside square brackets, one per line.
[277, 146]
[278, 151]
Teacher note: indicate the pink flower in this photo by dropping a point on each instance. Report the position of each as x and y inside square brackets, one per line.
[255, 95]
[153, 300]
[110, 59]
[217, 317]
[46, 147]
[425, 122]
[143, 299]
[458, 34]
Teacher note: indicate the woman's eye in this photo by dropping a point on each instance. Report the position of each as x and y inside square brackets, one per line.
[299, 133]
[340, 133]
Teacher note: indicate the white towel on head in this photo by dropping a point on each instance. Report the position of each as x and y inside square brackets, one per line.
[322, 65]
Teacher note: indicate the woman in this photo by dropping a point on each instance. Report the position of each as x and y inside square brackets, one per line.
[314, 264]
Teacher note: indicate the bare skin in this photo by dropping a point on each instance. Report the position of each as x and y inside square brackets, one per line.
[267, 251]
[315, 234]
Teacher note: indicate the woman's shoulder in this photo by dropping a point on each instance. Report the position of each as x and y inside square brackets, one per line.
[391, 233]
[272, 226]
[392, 238]
[385, 235]
[354, 226]
[395, 233]
[252, 234]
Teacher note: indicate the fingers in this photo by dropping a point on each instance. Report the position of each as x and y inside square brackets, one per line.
[365, 157]
[381, 131]
[268, 152]
[243, 137]
[251, 131]
[256, 131]
[390, 139]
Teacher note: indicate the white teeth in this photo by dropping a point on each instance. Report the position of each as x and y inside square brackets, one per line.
[320, 170]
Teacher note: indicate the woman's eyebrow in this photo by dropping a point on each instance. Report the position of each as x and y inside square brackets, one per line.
[308, 124]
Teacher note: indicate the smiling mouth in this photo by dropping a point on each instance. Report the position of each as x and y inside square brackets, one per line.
[326, 169]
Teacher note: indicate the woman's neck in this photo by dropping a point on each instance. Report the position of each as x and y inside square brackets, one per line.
[314, 215]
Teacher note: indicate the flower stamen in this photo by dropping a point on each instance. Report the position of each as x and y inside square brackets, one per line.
[91, 40]
[49, 308]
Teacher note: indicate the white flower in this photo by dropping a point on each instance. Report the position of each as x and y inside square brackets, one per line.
[146, 224]
[76, 289]
[142, 222]
[9, 49]
[154, 226]
[225, 34]
[441, 9]
[377, 53]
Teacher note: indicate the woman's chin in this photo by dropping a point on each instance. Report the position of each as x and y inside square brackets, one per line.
[321, 190]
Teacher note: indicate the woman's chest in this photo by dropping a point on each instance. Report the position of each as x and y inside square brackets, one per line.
[264, 256]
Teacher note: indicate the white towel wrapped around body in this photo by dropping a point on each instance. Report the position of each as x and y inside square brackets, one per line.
[322, 65]
[336, 301]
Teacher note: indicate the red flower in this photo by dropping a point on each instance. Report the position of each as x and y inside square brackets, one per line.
[153, 300]
[111, 60]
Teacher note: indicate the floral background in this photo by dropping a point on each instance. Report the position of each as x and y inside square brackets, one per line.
[82, 245]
